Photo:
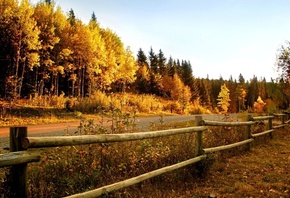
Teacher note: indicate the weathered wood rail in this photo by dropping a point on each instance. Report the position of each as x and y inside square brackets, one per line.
[19, 157]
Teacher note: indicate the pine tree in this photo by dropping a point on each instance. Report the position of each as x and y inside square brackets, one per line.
[153, 61]
[161, 63]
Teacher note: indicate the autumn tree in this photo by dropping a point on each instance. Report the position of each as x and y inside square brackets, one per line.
[205, 90]
[241, 93]
[259, 105]
[50, 22]
[180, 92]
[224, 99]
[19, 42]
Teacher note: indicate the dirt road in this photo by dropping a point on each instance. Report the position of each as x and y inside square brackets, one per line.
[72, 128]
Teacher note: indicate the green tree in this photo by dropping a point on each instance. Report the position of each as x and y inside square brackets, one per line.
[241, 93]
[224, 99]
[141, 58]
[171, 67]
[161, 63]
[153, 61]
[142, 74]
[253, 92]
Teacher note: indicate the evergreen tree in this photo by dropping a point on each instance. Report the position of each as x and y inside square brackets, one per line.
[252, 92]
[161, 63]
[171, 66]
[186, 73]
[142, 75]
[153, 60]
[141, 58]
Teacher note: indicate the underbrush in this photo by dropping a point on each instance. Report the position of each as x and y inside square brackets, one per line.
[54, 109]
[64, 171]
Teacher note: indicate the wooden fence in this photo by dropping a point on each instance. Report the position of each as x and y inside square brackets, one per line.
[19, 155]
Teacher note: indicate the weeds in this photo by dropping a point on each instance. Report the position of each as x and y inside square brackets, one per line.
[69, 170]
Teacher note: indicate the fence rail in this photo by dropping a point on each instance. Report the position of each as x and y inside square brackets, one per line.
[19, 156]
[40, 142]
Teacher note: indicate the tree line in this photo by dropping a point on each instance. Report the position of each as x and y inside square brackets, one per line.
[47, 52]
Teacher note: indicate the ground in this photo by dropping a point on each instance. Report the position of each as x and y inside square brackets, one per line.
[264, 171]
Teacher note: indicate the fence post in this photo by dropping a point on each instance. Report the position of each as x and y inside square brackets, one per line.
[198, 141]
[18, 173]
[270, 127]
[248, 132]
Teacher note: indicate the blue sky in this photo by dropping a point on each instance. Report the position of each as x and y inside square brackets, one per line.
[218, 37]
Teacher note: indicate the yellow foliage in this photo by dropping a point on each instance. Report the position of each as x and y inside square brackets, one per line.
[259, 105]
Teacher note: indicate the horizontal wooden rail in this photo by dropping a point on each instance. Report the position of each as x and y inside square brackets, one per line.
[262, 133]
[262, 118]
[279, 114]
[279, 126]
[119, 185]
[225, 147]
[19, 157]
[219, 123]
[36, 142]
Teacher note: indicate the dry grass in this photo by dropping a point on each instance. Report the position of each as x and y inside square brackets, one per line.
[261, 172]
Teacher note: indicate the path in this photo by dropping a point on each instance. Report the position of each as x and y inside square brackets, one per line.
[72, 127]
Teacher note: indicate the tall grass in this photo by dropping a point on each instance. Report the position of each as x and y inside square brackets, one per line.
[74, 169]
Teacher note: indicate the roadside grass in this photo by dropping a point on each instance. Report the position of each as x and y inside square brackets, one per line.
[264, 171]
[261, 172]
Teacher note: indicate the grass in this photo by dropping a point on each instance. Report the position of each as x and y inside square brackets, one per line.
[261, 172]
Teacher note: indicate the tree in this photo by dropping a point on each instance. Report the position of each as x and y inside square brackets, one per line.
[224, 98]
[50, 22]
[19, 36]
[126, 70]
[259, 105]
[232, 86]
[141, 58]
[161, 63]
[252, 92]
[180, 92]
[153, 61]
[241, 93]
[283, 62]
[142, 74]
[283, 65]
[186, 74]
[205, 92]
[171, 67]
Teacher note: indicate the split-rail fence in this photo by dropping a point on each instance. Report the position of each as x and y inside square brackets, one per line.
[19, 156]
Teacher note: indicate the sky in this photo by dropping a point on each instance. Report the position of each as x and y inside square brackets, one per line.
[220, 38]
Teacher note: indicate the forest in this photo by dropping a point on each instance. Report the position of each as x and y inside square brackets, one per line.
[46, 52]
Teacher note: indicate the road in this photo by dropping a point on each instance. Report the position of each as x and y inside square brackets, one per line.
[71, 128]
